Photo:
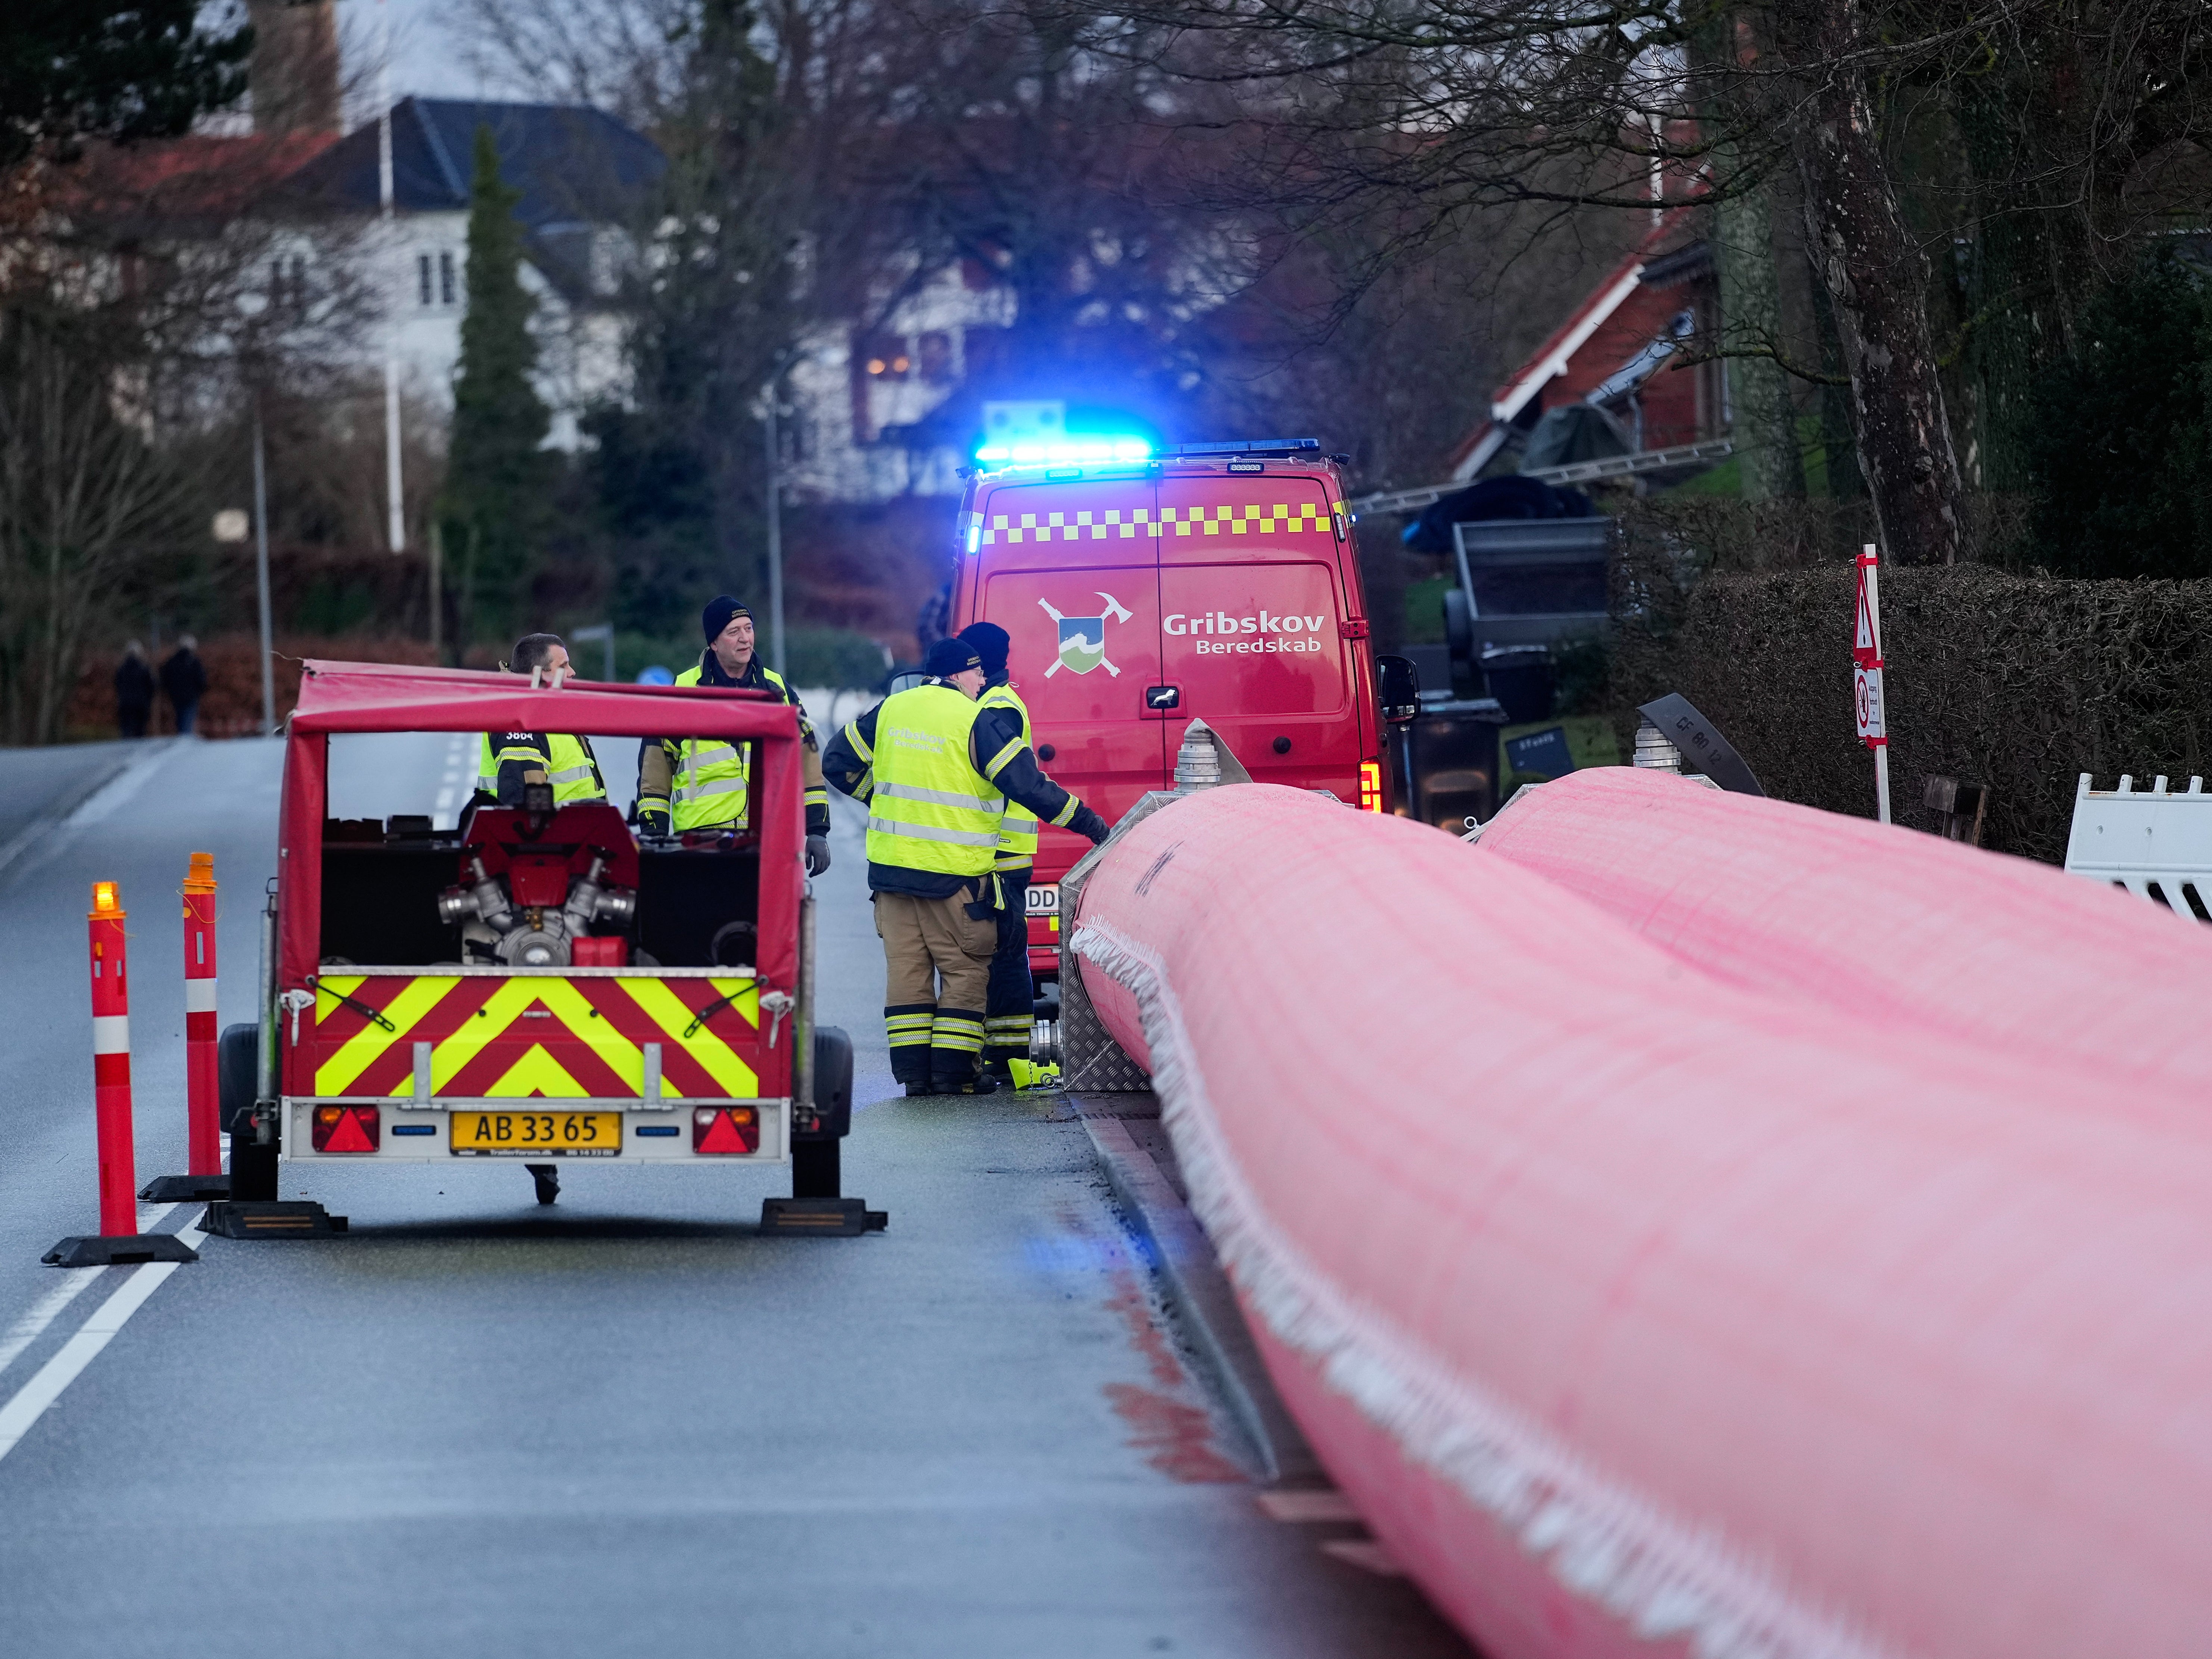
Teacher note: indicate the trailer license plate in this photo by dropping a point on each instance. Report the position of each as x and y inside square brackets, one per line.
[1044, 901]
[537, 1134]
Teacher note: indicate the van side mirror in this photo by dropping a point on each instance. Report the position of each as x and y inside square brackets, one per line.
[1398, 684]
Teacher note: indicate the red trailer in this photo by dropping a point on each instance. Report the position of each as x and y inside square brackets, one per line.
[535, 984]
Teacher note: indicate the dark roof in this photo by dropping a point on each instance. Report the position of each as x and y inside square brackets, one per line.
[571, 162]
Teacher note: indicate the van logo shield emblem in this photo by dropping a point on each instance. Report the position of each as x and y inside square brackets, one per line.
[1083, 639]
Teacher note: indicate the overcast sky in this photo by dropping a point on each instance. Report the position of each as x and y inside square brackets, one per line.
[424, 57]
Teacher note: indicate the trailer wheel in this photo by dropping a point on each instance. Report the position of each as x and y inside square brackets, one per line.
[233, 1069]
[833, 1083]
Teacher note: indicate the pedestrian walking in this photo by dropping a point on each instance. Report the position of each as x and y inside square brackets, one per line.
[937, 769]
[184, 681]
[134, 691]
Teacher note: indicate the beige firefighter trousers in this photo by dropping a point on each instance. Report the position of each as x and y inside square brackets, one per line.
[924, 939]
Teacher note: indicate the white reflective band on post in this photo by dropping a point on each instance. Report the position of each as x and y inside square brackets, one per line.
[111, 1033]
[923, 832]
[941, 797]
[199, 995]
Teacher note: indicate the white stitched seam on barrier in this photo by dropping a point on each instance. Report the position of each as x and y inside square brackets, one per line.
[111, 1033]
[199, 995]
[1604, 1542]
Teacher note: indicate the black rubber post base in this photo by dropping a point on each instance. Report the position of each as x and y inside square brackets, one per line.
[820, 1218]
[290, 1218]
[185, 1189]
[119, 1251]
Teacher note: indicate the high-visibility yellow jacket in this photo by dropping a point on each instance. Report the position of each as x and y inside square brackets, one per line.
[996, 759]
[1018, 827]
[508, 760]
[931, 809]
[709, 779]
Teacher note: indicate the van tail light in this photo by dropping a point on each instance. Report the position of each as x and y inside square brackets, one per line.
[724, 1129]
[345, 1129]
[1370, 785]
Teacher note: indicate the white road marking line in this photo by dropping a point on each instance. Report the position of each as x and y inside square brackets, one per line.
[1365, 1552]
[1325, 1505]
[27, 1329]
[445, 802]
[31, 1401]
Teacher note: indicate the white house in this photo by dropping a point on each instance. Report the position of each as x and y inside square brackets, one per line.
[579, 172]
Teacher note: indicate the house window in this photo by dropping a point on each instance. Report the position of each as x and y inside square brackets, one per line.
[445, 279]
[422, 279]
[933, 356]
[885, 358]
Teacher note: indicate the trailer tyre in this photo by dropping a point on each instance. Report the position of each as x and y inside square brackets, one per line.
[833, 1083]
[234, 1070]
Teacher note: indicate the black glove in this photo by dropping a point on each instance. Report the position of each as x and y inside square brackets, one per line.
[653, 816]
[1088, 823]
[818, 855]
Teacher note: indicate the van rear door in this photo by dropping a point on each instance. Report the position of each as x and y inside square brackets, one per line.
[1252, 592]
[1070, 570]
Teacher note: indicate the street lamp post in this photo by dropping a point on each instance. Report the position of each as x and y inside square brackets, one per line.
[775, 532]
[261, 579]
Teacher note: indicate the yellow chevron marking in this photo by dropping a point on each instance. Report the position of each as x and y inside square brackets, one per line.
[335, 986]
[666, 1010]
[535, 1073]
[566, 1003]
[360, 1050]
[500, 1010]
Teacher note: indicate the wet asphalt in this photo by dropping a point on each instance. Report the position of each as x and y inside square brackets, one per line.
[623, 1424]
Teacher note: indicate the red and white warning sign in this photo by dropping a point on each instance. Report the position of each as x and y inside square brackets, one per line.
[1866, 699]
[1866, 653]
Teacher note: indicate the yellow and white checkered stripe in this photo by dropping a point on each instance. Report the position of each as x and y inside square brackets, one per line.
[1238, 519]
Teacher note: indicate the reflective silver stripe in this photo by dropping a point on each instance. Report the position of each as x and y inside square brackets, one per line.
[925, 832]
[941, 797]
[573, 775]
[718, 787]
[489, 785]
[710, 756]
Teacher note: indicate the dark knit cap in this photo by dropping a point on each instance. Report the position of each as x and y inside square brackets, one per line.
[990, 644]
[717, 615]
[949, 657]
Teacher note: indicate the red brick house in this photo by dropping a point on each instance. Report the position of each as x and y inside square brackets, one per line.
[1618, 351]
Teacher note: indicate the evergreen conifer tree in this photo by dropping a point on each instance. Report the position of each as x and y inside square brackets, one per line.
[499, 477]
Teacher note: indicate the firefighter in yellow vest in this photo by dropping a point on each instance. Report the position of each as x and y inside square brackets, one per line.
[691, 784]
[1010, 1010]
[936, 770]
[509, 760]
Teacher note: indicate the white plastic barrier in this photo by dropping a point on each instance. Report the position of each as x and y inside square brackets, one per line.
[2155, 843]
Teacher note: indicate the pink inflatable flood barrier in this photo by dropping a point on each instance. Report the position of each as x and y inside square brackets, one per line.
[1652, 1292]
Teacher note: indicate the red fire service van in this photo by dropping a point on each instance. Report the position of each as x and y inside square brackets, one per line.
[1142, 590]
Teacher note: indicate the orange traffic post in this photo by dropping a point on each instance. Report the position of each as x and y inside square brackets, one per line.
[202, 1111]
[118, 1239]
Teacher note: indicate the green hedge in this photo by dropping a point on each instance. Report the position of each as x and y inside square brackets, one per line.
[2017, 682]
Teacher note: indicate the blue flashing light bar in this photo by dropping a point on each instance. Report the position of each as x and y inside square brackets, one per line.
[1070, 449]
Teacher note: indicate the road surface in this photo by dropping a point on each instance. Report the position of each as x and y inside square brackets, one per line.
[621, 1425]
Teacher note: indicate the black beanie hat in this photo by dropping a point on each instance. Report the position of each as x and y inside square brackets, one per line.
[717, 614]
[949, 657]
[990, 644]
